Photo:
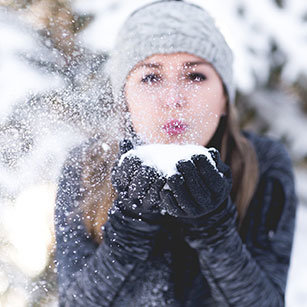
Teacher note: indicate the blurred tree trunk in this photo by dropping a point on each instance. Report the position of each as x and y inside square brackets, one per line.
[55, 20]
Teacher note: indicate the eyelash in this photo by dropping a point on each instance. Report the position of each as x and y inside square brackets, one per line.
[153, 78]
[200, 76]
[150, 77]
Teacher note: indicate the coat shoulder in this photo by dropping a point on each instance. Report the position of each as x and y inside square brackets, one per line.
[271, 152]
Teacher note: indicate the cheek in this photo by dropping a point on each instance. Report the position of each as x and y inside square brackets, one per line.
[205, 121]
[142, 100]
[141, 107]
[142, 110]
[207, 105]
[208, 98]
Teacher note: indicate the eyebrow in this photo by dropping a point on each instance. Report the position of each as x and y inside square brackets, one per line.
[190, 64]
[157, 65]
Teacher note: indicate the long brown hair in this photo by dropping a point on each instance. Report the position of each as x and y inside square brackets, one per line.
[235, 150]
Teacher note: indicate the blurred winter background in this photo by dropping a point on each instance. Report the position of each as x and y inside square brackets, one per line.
[54, 95]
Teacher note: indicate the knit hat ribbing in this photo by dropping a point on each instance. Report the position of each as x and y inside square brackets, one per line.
[169, 27]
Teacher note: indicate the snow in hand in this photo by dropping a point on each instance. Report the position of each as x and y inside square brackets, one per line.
[164, 157]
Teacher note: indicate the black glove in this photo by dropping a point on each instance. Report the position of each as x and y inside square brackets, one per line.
[138, 186]
[199, 188]
[132, 225]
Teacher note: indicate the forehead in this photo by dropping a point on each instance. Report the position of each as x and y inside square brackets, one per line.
[173, 59]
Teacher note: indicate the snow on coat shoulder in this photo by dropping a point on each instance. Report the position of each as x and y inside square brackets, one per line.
[164, 157]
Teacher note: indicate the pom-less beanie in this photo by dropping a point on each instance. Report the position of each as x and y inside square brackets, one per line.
[169, 27]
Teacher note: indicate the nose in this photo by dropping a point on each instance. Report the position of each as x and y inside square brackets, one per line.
[172, 96]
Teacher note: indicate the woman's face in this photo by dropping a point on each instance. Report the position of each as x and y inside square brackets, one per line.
[175, 98]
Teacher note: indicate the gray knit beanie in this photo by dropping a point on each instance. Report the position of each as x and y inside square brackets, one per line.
[169, 27]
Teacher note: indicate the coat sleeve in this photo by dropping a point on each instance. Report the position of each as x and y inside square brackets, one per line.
[90, 274]
[249, 267]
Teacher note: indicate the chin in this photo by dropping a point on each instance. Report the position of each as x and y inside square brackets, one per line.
[179, 139]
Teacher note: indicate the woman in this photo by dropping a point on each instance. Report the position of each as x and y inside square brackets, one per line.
[207, 240]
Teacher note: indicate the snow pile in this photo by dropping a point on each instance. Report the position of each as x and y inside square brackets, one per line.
[164, 157]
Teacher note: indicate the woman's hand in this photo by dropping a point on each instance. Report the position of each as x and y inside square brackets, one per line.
[199, 188]
[138, 186]
[133, 224]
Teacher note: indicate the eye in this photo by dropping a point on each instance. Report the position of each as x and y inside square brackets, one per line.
[151, 78]
[197, 77]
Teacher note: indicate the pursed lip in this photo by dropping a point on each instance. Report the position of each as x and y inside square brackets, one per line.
[174, 127]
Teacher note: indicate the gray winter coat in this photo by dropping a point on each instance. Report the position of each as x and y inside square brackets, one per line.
[233, 268]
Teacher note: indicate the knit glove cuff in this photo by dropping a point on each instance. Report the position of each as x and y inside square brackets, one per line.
[129, 237]
[211, 227]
